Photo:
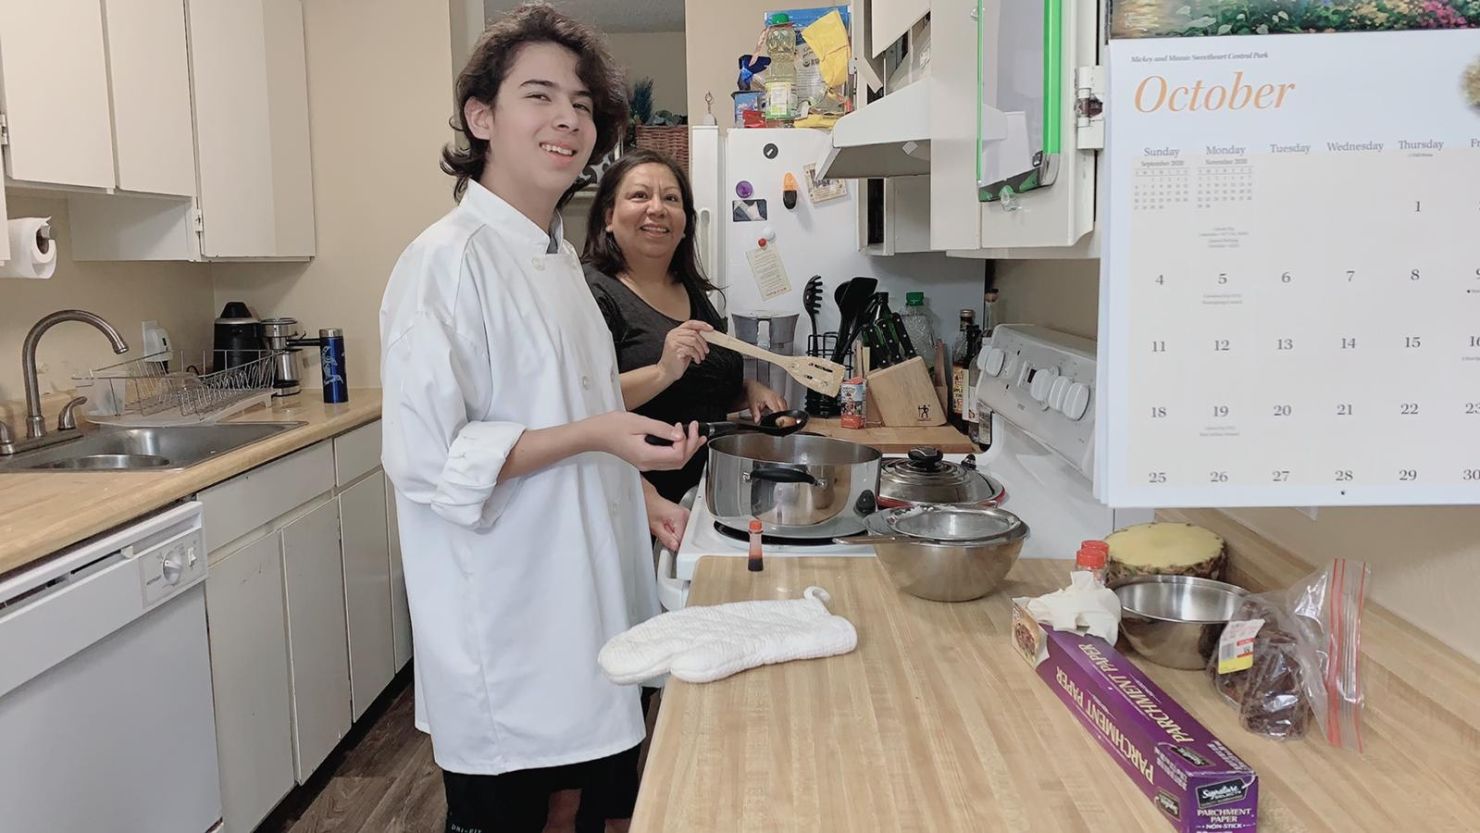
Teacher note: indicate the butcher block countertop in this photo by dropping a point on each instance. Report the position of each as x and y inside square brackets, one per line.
[896, 440]
[935, 723]
[43, 512]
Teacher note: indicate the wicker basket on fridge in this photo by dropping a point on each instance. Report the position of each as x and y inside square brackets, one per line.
[672, 140]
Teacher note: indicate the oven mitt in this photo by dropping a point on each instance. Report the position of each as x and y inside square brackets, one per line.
[703, 644]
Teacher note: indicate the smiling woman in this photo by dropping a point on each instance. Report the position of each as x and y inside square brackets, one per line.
[643, 268]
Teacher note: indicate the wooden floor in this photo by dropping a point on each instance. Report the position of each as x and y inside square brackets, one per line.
[382, 779]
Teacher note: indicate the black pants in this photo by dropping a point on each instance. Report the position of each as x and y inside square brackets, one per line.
[519, 802]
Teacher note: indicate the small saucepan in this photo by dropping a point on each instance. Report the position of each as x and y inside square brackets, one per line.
[776, 424]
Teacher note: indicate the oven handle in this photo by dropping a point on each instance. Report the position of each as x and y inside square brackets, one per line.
[673, 593]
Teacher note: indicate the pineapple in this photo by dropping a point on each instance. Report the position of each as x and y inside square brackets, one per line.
[1165, 549]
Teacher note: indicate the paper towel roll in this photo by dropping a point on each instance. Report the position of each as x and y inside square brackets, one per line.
[33, 252]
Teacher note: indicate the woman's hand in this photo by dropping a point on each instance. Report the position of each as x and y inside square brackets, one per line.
[666, 519]
[624, 434]
[684, 345]
[760, 400]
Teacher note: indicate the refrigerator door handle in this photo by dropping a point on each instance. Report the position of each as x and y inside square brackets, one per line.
[706, 243]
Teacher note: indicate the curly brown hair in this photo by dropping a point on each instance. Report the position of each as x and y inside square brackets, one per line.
[490, 63]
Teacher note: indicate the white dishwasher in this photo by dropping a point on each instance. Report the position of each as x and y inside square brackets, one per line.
[106, 718]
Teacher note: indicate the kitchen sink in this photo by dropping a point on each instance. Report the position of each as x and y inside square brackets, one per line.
[144, 449]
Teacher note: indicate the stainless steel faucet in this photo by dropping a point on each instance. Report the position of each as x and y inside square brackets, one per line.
[35, 422]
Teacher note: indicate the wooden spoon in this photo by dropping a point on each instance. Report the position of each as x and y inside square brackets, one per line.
[821, 375]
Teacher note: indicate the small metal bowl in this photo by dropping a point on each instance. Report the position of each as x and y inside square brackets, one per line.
[1176, 621]
[945, 553]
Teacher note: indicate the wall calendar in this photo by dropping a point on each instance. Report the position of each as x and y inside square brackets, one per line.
[1290, 288]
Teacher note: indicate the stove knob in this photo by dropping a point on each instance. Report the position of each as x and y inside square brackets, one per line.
[1076, 400]
[996, 357]
[1056, 393]
[1042, 384]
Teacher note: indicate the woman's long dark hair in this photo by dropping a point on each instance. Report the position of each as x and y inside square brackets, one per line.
[602, 250]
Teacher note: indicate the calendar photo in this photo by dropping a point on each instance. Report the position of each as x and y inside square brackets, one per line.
[1290, 290]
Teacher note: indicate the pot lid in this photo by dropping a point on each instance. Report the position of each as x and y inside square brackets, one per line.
[949, 524]
[926, 477]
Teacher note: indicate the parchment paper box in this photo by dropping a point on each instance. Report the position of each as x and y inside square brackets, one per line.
[1196, 781]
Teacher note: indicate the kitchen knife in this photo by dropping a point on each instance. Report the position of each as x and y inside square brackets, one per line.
[907, 347]
[891, 340]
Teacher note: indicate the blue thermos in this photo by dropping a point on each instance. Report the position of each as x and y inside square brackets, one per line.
[331, 362]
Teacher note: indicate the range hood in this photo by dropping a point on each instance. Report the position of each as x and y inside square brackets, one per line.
[888, 137]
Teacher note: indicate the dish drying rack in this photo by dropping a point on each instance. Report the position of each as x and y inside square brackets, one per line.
[161, 389]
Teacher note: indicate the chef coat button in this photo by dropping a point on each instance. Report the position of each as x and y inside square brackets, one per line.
[539, 265]
[586, 382]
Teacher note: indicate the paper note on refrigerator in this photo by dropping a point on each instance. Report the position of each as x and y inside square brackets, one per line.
[768, 271]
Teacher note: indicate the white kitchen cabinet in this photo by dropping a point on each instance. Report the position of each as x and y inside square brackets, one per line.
[318, 658]
[971, 50]
[367, 589]
[249, 672]
[55, 102]
[890, 19]
[251, 119]
[400, 609]
[149, 74]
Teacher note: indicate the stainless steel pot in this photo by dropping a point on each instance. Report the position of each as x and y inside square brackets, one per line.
[925, 477]
[798, 486]
[945, 553]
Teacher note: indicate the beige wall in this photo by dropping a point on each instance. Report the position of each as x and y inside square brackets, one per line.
[177, 295]
[716, 35]
[379, 90]
[1425, 561]
[1061, 294]
[661, 57]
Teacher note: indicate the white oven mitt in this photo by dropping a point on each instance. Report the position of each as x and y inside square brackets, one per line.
[703, 644]
[1081, 607]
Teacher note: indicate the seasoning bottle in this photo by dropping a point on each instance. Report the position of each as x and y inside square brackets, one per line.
[1091, 558]
[755, 564]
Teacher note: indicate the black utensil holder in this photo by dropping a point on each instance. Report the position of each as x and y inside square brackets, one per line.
[820, 346]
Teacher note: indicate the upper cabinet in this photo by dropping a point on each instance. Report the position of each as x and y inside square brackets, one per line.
[251, 122]
[210, 120]
[998, 103]
[54, 75]
[149, 71]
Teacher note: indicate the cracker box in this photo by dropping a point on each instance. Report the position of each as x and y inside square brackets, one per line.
[1196, 781]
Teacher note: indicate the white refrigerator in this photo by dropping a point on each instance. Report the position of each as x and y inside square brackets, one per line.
[734, 172]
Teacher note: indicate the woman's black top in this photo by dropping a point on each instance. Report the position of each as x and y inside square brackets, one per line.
[706, 392]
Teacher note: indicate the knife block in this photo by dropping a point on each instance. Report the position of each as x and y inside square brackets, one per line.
[902, 396]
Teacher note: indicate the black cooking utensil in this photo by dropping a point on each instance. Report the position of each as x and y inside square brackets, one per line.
[776, 423]
[852, 305]
[812, 299]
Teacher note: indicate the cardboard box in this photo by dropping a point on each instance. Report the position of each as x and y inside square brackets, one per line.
[1196, 781]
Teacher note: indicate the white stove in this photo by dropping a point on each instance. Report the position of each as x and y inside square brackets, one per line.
[1037, 385]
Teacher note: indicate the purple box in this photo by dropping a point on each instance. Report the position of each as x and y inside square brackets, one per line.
[1199, 784]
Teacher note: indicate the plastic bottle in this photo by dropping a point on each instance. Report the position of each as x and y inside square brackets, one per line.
[1091, 558]
[781, 75]
[756, 562]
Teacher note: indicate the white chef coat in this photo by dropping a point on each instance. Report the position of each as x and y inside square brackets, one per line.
[488, 329]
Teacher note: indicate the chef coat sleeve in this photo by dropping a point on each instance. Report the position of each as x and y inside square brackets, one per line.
[433, 452]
